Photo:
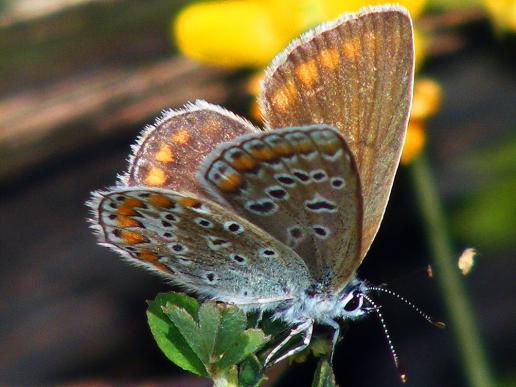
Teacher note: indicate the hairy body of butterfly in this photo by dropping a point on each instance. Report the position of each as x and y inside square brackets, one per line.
[276, 220]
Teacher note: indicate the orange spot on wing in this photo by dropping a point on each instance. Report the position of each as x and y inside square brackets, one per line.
[351, 49]
[284, 96]
[263, 154]
[230, 183]
[181, 137]
[132, 202]
[329, 147]
[162, 267]
[304, 146]
[243, 162]
[158, 200]
[152, 258]
[128, 207]
[307, 72]
[164, 155]
[126, 210]
[126, 221]
[189, 202]
[147, 255]
[329, 58]
[133, 238]
[282, 149]
[155, 177]
[280, 100]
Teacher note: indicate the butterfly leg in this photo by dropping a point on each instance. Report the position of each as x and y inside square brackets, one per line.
[306, 328]
[336, 332]
[259, 318]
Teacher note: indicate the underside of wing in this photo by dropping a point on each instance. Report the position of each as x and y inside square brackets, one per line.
[168, 153]
[198, 244]
[355, 74]
[299, 184]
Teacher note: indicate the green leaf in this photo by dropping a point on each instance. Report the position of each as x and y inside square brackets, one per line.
[209, 339]
[167, 336]
[188, 328]
[324, 376]
[209, 322]
[251, 372]
[248, 342]
[232, 324]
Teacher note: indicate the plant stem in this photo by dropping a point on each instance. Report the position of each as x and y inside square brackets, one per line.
[462, 320]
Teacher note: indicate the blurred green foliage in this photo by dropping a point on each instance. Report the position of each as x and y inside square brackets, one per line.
[486, 217]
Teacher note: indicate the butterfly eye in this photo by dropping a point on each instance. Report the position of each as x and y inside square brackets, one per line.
[354, 303]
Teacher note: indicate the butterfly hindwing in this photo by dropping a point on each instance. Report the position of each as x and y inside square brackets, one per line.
[198, 244]
[300, 185]
[168, 153]
[355, 74]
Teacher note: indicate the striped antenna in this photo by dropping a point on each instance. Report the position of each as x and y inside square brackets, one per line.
[401, 370]
[427, 317]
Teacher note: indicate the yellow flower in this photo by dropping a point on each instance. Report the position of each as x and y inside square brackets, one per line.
[426, 102]
[249, 33]
[227, 33]
[337, 7]
[427, 99]
[414, 142]
[502, 13]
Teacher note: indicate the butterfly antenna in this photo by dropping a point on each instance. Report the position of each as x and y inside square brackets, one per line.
[427, 317]
[401, 370]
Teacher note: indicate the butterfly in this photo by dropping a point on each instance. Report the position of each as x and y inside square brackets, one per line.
[278, 219]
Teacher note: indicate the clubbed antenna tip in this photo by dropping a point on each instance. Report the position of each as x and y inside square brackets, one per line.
[427, 317]
[402, 372]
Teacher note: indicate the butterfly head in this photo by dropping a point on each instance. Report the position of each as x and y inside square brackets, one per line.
[353, 301]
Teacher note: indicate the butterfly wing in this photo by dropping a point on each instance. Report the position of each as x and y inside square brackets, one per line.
[168, 153]
[198, 244]
[355, 74]
[301, 185]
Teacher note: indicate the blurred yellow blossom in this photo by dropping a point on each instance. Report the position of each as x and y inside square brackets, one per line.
[427, 98]
[426, 102]
[249, 33]
[414, 142]
[227, 33]
[502, 13]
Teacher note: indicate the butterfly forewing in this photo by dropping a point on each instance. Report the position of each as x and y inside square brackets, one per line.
[168, 153]
[355, 74]
[300, 185]
[199, 245]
